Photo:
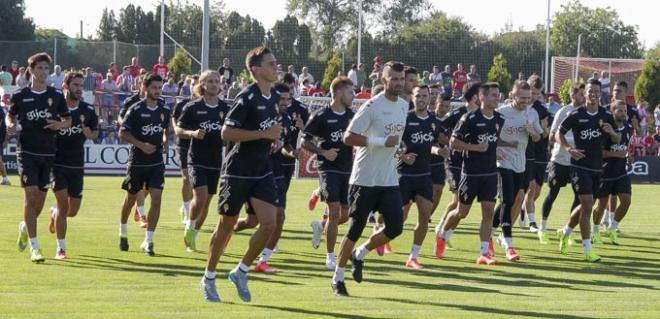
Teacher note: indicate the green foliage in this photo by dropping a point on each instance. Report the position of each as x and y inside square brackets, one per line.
[500, 74]
[331, 71]
[244, 74]
[15, 26]
[647, 87]
[107, 30]
[565, 91]
[180, 63]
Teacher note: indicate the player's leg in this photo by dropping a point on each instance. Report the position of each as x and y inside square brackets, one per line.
[262, 264]
[424, 208]
[154, 215]
[186, 193]
[198, 205]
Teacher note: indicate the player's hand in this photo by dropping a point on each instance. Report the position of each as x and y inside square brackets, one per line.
[409, 158]
[330, 154]
[298, 154]
[482, 147]
[576, 154]
[607, 128]
[199, 134]
[513, 144]
[148, 148]
[273, 132]
[299, 122]
[53, 125]
[392, 141]
[500, 155]
[530, 129]
[444, 152]
[86, 130]
[12, 128]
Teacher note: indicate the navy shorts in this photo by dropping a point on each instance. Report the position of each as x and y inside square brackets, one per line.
[584, 182]
[453, 178]
[412, 186]
[70, 179]
[234, 192]
[35, 170]
[438, 174]
[334, 187]
[558, 175]
[366, 199]
[539, 172]
[280, 183]
[614, 187]
[484, 188]
[530, 174]
[204, 176]
[141, 177]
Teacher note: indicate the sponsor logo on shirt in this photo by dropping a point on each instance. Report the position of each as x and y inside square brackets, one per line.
[152, 129]
[73, 130]
[36, 115]
[267, 123]
[421, 137]
[486, 138]
[336, 135]
[512, 130]
[618, 148]
[393, 128]
[210, 126]
[590, 134]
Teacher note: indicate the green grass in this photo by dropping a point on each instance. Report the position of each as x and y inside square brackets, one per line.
[99, 281]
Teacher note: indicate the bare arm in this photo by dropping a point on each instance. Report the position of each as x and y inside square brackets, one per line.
[609, 154]
[354, 139]
[232, 134]
[459, 145]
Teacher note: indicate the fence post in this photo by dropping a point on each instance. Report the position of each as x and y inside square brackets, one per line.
[55, 51]
[114, 50]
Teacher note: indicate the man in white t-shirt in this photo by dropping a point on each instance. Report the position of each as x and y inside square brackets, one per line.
[375, 131]
[57, 78]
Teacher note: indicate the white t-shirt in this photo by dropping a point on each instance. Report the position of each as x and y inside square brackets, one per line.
[353, 76]
[515, 129]
[56, 80]
[605, 85]
[378, 117]
[559, 155]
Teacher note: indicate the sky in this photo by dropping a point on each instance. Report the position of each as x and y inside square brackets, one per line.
[483, 15]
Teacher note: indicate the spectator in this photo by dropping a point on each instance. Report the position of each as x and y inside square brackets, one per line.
[244, 83]
[553, 105]
[656, 138]
[56, 79]
[99, 81]
[124, 87]
[185, 88]
[134, 68]
[5, 77]
[14, 71]
[182, 79]
[169, 91]
[473, 76]
[425, 78]
[233, 90]
[637, 145]
[89, 83]
[317, 90]
[594, 77]
[292, 70]
[108, 99]
[656, 115]
[364, 93]
[23, 78]
[458, 80]
[435, 76]
[290, 80]
[604, 88]
[305, 75]
[649, 142]
[446, 76]
[126, 77]
[280, 72]
[376, 74]
[161, 68]
[227, 71]
[113, 70]
[304, 87]
[352, 75]
[521, 76]
[641, 110]
[361, 75]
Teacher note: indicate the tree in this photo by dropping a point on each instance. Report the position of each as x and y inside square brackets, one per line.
[331, 71]
[647, 87]
[524, 50]
[565, 91]
[180, 64]
[604, 35]
[400, 13]
[499, 73]
[107, 26]
[15, 26]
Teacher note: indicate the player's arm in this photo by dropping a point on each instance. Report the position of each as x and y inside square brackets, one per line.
[91, 131]
[232, 131]
[64, 116]
[10, 119]
[503, 143]
[610, 154]
[608, 127]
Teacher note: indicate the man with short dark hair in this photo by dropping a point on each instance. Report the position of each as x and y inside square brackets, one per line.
[227, 71]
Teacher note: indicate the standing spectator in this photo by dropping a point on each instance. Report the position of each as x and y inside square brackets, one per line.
[656, 137]
[109, 99]
[426, 78]
[458, 80]
[364, 93]
[553, 106]
[169, 91]
[113, 70]
[124, 87]
[593, 77]
[376, 74]
[361, 75]
[134, 68]
[305, 75]
[446, 76]
[292, 70]
[161, 68]
[185, 88]
[604, 88]
[182, 79]
[56, 78]
[126, 77]
[436, 76]
[637, 145]
[649, 142]
[14, 70]
[227, 71]
[23, 78]
[5, 77]
[317, 90]
[233, 90]
[352, 75]
[473, 76]
[89, 83]
[641, 110]
[656, 115]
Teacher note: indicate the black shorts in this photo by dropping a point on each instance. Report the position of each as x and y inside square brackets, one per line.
[280, 183]
[484, 188]
[234, 192]
[288, 175]
[558, 175]
[453, 178]
[584, 182]
[203, 176]
[438, 174]
[35, 170]
[614, 187]
[366, 199]
[412, 186]
[539, 172]
[141, 177]
[70, 179]
[530, 174]
[182, 155]
[334, 187]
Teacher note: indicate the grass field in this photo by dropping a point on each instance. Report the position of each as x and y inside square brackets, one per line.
[99, 281]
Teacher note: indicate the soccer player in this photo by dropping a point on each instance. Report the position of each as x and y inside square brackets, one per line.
[3, 140]
[520, 124]
[559, 168]
[416, 185]
[38, 112]
[375, 131]
[440, 151]
[201, 122]
[591, 126]
[250, 126]
[68, 168]
[323, 137]
[615, 180]
[476, 135]
[182, 147]
[145, 127]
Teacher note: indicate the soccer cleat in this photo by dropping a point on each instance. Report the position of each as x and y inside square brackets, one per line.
[37, 256]
[532, 227]
[595, 238]
[22, 241]
[571, 240]
[613, 235]
[412, 263]
[339, 288]
[387, 248]
[591, 256]
[544, 237]
[563, 242]
[491, 247]
[51, 222]
[317, 233]
[148, 248]
[239, 279]
[5, 181]
[380, 250]
[512, 255]
[486, 260]
[136, 215]
[188, 238]
[60, 255]
[143, 222]
[208, 290]
[522, 222]
[265, 268]
[330, 264]
[123, 243]
[440, 247]
[313, 200]
[357, 268]
[182, 212]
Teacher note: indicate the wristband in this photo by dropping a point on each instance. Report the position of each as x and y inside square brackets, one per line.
[376, 141]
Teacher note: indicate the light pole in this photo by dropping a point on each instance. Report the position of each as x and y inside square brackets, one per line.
[547, 48]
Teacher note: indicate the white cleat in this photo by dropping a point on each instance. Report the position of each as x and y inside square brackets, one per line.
[330, 264]
[317, 233]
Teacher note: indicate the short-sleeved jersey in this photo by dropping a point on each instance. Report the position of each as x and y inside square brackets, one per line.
[181, 143]
[33, 110]
[541, 147]
[378, 117]
[419, 136]
[276, 157]
[515, 130]
[70, 141]
[559, 155]
[614, 167]
[147, 125]
[455, 159]
[437, 159]
[296, 110]
[255, 112]
[3, 125]
[328, 128]
[128, 103]
[632, 112]
[475, 128]
[195, 115]
[589, 136]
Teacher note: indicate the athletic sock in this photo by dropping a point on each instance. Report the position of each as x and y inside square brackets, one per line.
[531, 217]
[34, 243]
[330, 256]
[149, 236]
[123, 230]
[567, 230]
[140, 210]
[361, 252]
[586, 245]
[242, 267]
[595, 229]
[186, 207]
[484, 248]
[265, 255]
[209, 274]
[614, 225]
[339, 274]
[508, 242]
[191, 224]
[414, 252]
[61, 245]
[53, 214]
[544, 224]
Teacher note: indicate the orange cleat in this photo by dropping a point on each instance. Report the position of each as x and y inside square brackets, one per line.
[388, 249]
[265, 268]
[313, 200]
[380, 250]
[412, 263]
[51, 223]
[136, 215]
[143, 222]
[512, 255]
[486, 260]
[440, 245]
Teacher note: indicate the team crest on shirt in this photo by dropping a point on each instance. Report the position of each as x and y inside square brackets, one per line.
[221, 114]
[50, 101]
[225, 207]
[162, 117]
[25, 177]
[82, 118]
[433, 126]
[497, 127]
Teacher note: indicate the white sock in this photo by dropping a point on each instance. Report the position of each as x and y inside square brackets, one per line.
[140, 210]
[149, 236]
[339, 274]
[595, 229]
[544, 224]
[484, 248]
[531, 217]
[265, 255]
[414, 252]
[242, 267]
[614, 224]
[123, 230]
[361, 252]
[5, 179]
[610, 217]
[61, 245]
[186, 207]
[508, 242]
[586, 245]
[448, 234]
[34, 243]
[23, 227]
[190, 224]
[567, 230]
[195, 233]
[330, 256]
[53, 214]
[209, 274]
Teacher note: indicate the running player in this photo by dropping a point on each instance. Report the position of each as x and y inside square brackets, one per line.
[476, 135]
[200, 123]
[376, 131]
[592, 125]
[182, 147]
[440, 151]
[3, 142]
[615, 180]
[68, 169]
[335, 159]
[251, 126]
[146, 128]
[37, 112]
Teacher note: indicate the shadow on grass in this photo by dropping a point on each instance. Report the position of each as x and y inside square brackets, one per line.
[315, 312]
